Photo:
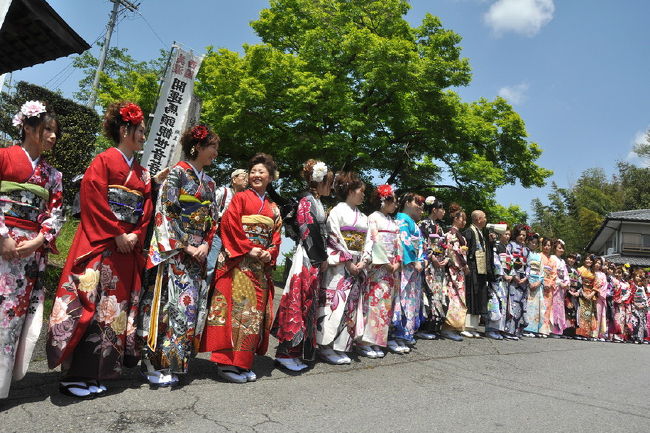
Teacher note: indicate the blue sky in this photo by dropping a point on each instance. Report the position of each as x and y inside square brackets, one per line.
[576, 70]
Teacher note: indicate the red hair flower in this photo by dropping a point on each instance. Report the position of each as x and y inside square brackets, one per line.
[384, 191]
[199, 132]
[132, 114]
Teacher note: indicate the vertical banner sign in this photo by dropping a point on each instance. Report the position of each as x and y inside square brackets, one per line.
[172, 110]
[193, 116]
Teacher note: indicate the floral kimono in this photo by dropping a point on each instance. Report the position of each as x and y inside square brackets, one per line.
[383, 247]
[407, 302]
[571, 302]
[549, 266]
[602, 287]
[622, 309]
[174, 306]
[241, 305]
[639, 310]
[434, 285]
[457, 254]
[587, 307]
[340, 314]
[562, 282]
[498, 294]
[93, 321]
[295, 321]
[30, 203]
[517, 291]
[536, 305]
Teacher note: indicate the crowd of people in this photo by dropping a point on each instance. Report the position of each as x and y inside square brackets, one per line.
[160, 270]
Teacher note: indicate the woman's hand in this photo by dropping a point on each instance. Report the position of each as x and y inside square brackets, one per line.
[418, 266]
[26, 248]
[8, 248]
[352, 268]
[265, 256]
[255, 253]
[197, 253]
[161, 176]
[133, 239]
[124, 246]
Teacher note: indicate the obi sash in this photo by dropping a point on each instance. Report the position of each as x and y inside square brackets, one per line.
[126, 204]
[258, 229]
[23, 203]
[354, 238]
[438, 246]
[195, 214]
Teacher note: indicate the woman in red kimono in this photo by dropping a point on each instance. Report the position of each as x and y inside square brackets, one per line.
[241, 308]
[30, 218]
[92, 326]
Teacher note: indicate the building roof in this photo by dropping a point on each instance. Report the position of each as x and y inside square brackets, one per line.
[631, 215]
[612, 223]
[633, 261]
[32, 33]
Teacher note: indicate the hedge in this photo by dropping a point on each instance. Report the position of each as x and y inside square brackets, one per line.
[80, 124]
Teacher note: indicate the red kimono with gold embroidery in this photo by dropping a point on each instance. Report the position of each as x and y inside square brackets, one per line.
[241, 308]
[93, 322]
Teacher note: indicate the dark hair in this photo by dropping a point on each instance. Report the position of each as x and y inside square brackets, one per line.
[543, 241]
[455, 211]
[437, 204]
[308, 171]
[532, 236]
[113, 121]
[591, 257]
[266, 160]
[408, 198]
[39, 123]
[345, 182]
[520, 228]
[573, 256]
[188, 141]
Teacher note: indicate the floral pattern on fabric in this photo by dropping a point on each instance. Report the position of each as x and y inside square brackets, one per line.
[295, 321]
[457, 254]
[340, 315]
[21, 290]
[174, 307]
[435, 300]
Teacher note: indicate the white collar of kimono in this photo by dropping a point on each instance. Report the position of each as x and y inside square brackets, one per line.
[128, 160]
[33, 161]
[261, 197]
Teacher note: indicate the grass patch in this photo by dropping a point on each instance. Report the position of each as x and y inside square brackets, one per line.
[55, 266]
[63, 242]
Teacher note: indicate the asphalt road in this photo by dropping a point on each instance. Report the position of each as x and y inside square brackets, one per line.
[481, 385]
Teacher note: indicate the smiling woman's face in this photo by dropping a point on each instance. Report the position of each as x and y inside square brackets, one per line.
[259, 178]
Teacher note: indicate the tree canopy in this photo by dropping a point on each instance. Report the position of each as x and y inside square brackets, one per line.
[574, 214]
[352, 83]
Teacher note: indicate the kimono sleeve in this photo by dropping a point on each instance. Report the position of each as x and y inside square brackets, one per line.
[52, 218]
[371, 238]
[421, 253]
[147, 211]
[235, 241]
[95, 210]
[337, 251]
[276, 239]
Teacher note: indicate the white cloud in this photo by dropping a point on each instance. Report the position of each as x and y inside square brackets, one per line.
[633, 158]
[525, 17]
[514, 94]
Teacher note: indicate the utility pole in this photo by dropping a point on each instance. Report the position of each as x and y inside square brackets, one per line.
[107, 41]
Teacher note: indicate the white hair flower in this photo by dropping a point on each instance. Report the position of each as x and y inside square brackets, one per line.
[319, 172]
[29, 109]
[430, 200]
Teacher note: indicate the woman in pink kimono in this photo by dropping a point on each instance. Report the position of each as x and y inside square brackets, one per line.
[562, 283]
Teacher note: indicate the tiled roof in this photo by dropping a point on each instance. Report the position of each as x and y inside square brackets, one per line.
[633, 215]
[33, 33]
[633, 261]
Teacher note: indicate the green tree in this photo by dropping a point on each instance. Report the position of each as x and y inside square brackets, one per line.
[123, 78]
[643, 149]
[351, 82]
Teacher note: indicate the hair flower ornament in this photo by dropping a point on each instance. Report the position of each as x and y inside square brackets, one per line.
[319, 171]
[132, 114]
[384, 191]
[28, 109]
[430, 200]
[199, 132]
